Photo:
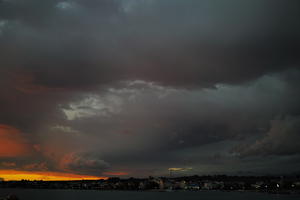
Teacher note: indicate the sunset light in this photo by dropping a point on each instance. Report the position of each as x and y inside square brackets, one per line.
[14, 175]
[104, 99]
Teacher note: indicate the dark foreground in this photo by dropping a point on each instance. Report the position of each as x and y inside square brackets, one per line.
[29, 194]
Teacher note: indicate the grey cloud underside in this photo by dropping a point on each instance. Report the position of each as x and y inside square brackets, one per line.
[142, 86]
[211, 129]
[194, 43]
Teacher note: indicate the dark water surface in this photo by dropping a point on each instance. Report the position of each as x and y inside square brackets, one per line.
[28, 194]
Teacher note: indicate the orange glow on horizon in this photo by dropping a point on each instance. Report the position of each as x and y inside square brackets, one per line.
[15, 175]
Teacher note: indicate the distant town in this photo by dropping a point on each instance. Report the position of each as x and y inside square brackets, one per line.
[269, 184]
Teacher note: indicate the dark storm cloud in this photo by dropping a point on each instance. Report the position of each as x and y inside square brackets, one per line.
[282, 139]
[149, 125]
[194, 43]
[143, 86]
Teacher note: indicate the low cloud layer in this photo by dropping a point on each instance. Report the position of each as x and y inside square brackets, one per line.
[282, 139]
[135, 88]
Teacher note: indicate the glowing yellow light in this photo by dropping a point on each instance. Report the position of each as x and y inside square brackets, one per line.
[14, 175]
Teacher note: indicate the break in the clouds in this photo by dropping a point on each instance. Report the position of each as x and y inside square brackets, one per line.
[137, 87]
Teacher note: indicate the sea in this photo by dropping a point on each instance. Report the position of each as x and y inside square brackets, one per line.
[30, 194]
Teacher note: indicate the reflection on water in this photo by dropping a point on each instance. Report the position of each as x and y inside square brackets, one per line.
[28, 194]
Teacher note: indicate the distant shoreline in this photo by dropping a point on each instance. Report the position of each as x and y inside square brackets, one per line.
[262, 184]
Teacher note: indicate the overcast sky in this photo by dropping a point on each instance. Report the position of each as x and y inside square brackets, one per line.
[135, 87]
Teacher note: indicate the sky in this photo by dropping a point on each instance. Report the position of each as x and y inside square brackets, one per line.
[133, 88]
